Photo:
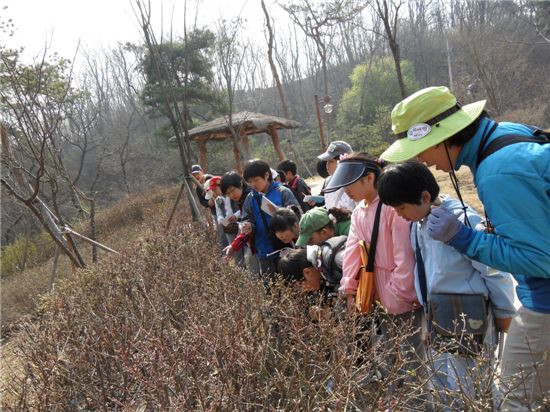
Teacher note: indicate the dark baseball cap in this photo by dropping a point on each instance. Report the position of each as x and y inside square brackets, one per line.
[335, 149]
[196, 169]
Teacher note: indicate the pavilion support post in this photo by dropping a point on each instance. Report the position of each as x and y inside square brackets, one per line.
[321, 132]
[238, 162]
[246, 145]
[276, 143]
[202, 154]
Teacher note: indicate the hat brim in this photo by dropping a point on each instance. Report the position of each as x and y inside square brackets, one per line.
[346, 174]
[327, 156]
[303, 239]
[405, 149]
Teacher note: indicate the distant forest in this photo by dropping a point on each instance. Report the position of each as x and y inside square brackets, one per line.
[80, 138]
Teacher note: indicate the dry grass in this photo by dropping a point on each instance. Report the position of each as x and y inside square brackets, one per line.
[117, 227]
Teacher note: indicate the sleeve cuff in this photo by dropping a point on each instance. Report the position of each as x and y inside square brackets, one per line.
[504, 313]
[462, 239]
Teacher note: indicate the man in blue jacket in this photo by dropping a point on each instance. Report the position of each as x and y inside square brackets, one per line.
[513, 183]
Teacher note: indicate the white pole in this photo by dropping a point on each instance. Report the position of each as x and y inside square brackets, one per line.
[449, 64]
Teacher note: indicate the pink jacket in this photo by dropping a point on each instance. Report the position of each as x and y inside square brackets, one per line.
[394, 261]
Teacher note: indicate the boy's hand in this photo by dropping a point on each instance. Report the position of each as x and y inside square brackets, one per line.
[503, 324]
[228, 250]
[246, 228]
[443, 225]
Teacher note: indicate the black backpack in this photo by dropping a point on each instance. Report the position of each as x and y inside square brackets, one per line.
[539, 136]
[335, 244]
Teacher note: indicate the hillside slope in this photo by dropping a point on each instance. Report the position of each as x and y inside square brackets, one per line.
[117, 227]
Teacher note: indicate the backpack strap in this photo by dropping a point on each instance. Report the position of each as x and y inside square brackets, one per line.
[539, 136]
[335, 249]
[421, 269]
[294, 182]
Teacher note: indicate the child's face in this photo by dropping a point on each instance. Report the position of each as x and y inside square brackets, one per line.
[199, 176]
[332, 164]
[413, 212]
[320, 236]
[288, 176]
[362, 189]
[234, 193]
[312, 280]
[287, 236]
[259, 183]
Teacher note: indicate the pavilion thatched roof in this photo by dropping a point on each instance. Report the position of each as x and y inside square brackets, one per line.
[244, 123]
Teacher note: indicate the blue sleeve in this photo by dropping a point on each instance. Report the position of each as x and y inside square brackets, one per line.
[521, 219]
[247, 214]
[289, 199]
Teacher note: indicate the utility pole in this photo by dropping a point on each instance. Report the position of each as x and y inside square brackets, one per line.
[321, 132]
[451, 87]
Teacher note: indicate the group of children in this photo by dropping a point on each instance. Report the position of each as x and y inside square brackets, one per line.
[434, 256]
[277, 230]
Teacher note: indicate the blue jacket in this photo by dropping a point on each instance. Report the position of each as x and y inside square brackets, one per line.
[263, 239]
[514, 186]
[449, 271]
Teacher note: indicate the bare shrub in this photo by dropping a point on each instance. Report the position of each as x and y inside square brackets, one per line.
[170, 326]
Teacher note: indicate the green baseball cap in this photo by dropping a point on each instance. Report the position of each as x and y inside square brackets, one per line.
[313, 220]
[427, 118]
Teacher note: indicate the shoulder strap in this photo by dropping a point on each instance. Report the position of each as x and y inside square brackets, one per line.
[294, 182]
[539, 136]
[259, 203]
[335, 249]
[374, 238]
[421, 271]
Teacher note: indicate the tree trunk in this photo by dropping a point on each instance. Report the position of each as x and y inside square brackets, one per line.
[271, 62]
[277, 143]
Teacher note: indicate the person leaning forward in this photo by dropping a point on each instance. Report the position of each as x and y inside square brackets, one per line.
[513, 183]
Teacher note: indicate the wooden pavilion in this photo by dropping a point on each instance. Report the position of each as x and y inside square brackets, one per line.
[244, 124]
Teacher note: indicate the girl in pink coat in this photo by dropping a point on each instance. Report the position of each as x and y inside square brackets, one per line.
[394, 260]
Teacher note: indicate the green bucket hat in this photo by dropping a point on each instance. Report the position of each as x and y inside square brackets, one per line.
[425, 119]
[311, 221]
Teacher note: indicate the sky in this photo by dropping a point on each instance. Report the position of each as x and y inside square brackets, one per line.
[97, 24]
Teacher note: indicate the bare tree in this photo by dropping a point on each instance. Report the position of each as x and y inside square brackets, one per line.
[317, 21]
[35, 99]
[176, 114]
[389, 13]
[230, 54]
[275, 74]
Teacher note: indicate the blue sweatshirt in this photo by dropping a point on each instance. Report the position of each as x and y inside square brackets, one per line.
[514, 186]
[263, 239]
